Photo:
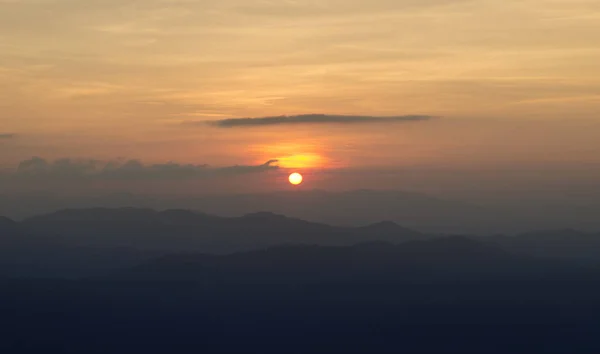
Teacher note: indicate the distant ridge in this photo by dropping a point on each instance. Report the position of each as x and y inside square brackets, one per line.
[353, 208]
[183, 230]
[88, 241]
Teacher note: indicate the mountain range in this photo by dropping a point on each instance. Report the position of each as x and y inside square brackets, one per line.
[82, 242]
[138, 280]
[351, 208]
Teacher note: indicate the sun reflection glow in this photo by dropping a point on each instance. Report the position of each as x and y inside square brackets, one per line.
[301, 161]
[292, 155]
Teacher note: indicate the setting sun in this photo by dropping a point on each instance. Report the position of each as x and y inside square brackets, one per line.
[295, 178]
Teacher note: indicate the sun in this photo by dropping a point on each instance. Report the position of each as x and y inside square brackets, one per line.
[295, 178]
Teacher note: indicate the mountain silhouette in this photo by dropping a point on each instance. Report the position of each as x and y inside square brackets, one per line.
[138, 280]
[8, 227]
[349, 208]
[444, 258]
[86, 242]
[390, 230]
[180, 230]
[562, 244]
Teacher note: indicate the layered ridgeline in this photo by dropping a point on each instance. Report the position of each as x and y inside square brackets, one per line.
[92, 241]
[138, 280]
[88, 241]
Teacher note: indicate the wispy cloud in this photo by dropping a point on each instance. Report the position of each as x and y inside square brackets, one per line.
[37, 167]
[311, 119]
[7, 135]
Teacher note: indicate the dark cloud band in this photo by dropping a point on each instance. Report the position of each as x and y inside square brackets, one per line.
[313, 119]
[7, 136]
[128, 170]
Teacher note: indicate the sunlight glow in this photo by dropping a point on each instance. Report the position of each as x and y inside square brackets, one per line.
[301, 161]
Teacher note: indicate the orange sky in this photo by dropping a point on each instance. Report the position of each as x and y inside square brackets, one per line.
[512, 82]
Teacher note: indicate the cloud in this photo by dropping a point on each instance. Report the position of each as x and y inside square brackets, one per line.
[7, 136]
[311, 119]
[37, 167]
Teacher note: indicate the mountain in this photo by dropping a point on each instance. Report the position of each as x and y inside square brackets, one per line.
[350, 208]
[25, 253]
[84, 242]
[559, 244]
[445, 258]
[390, 230]
[8, 227]
[268, 283]
[448, 295]
[363, 207]
[180, 230]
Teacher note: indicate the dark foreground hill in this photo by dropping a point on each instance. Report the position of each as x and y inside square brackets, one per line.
[184, 282]
[450, 295]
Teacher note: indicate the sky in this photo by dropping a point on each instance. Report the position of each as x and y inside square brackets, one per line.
[223, 95]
